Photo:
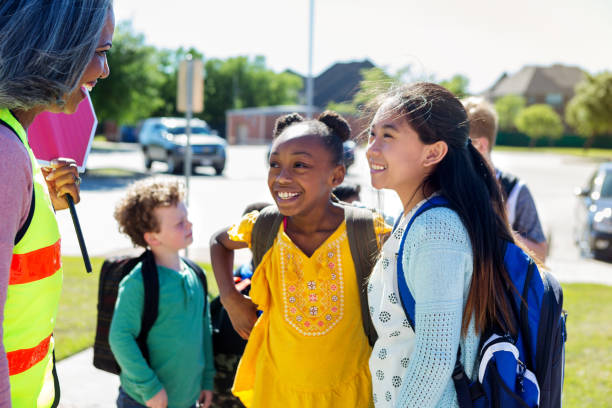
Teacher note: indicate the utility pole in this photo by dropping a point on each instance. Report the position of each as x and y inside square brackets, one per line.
[310, 80]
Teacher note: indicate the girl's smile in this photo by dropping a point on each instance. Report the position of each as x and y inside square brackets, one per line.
[301, 174]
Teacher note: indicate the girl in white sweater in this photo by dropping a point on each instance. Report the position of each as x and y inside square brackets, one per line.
[419, 147]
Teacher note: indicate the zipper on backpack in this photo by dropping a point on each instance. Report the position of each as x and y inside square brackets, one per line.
[564, 323]
[521, 374]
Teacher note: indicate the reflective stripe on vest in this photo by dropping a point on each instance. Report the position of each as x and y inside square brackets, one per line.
[33, 293]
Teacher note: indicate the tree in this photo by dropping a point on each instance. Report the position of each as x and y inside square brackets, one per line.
[132, 91]
[508, 107]
[240, 82]
[589, 112]
[538, 121]
[169, 61]
[457, 85]
[374, 82]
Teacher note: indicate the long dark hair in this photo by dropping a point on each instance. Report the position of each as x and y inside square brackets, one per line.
[468, 182]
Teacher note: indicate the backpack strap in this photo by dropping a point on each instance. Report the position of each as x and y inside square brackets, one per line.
[264, 232]
[202, 276]
[21, 232]
[151, 301]
[460, 378]
[508, 182]
[364, 247]
[406, 297]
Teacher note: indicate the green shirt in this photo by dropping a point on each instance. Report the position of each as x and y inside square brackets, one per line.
[179, 343]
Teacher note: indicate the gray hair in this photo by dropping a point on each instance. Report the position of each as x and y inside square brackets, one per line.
[45, 46]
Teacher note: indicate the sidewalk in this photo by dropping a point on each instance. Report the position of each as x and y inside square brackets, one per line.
[83, 385]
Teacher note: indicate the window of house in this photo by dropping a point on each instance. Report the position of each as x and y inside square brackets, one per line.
[554, 99]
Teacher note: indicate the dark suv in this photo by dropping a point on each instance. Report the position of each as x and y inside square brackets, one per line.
[593, 231]
[164, 140]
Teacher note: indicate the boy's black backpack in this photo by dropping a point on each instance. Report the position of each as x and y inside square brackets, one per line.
[225, 339]
[514, 371]
[112, 272]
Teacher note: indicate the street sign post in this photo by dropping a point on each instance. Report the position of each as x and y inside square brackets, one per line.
[190, 99]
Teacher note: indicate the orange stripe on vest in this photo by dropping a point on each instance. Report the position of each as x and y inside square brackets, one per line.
[35, 265]
[21, 360]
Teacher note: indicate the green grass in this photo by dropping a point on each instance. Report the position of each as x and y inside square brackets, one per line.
[588, 367]
[76, 318]
[588, 361]
[599, 154]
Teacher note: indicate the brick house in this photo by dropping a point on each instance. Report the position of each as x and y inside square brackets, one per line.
[336, 84]
[253, 126]
[552, 85]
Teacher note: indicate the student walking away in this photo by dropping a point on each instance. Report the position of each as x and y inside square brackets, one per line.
[520, 207]
[50, 51]
[313, 255]
[173, 365]
[449, 278]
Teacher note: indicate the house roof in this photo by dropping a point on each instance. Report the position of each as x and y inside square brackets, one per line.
[537, 80]
[339, 82]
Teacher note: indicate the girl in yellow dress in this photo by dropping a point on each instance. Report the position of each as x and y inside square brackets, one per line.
[308, 348]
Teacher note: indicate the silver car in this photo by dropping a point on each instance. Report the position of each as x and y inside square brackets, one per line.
[593, 230]
[164, 140]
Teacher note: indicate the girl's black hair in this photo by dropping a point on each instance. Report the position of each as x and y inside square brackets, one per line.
[465, 178]
[330, 126]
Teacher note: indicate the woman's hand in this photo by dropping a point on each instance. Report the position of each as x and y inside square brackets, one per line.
[242, 312]
[62, 178]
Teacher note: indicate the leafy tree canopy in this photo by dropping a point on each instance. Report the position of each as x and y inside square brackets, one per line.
[589, 112]
[457, 85]
[538, 121]
[132, 90]
[508, 107]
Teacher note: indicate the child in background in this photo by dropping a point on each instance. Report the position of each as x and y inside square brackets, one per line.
[347, 192]
[308, 348]
[181, 369]
[520, 206]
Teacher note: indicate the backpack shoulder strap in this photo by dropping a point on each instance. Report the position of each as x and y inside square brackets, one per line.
[364, 248]
[406, 297]
[459, 377]
[264, 232]
[151, 301]
[202, 276]
[508, 182]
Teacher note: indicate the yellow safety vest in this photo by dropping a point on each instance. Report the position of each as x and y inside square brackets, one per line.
[35, 283]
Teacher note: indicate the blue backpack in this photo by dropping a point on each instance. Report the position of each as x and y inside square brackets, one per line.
[525, 370]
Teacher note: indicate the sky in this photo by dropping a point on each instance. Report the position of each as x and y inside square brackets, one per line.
[436, 38]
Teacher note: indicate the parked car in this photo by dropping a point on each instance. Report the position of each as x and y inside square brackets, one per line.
[593, 231]
[164, 140]
[348, 148]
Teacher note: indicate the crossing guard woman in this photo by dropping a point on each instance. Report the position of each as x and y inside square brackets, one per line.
[51, 53]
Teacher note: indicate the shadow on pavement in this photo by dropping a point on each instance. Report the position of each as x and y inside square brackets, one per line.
[109, 178]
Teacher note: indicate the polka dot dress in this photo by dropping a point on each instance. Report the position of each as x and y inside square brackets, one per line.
[395, 343]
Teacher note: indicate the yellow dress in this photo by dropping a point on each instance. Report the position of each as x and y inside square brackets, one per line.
[308, 348]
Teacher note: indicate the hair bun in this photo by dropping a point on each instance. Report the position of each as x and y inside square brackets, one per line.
[336, 123]
[284, 122]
